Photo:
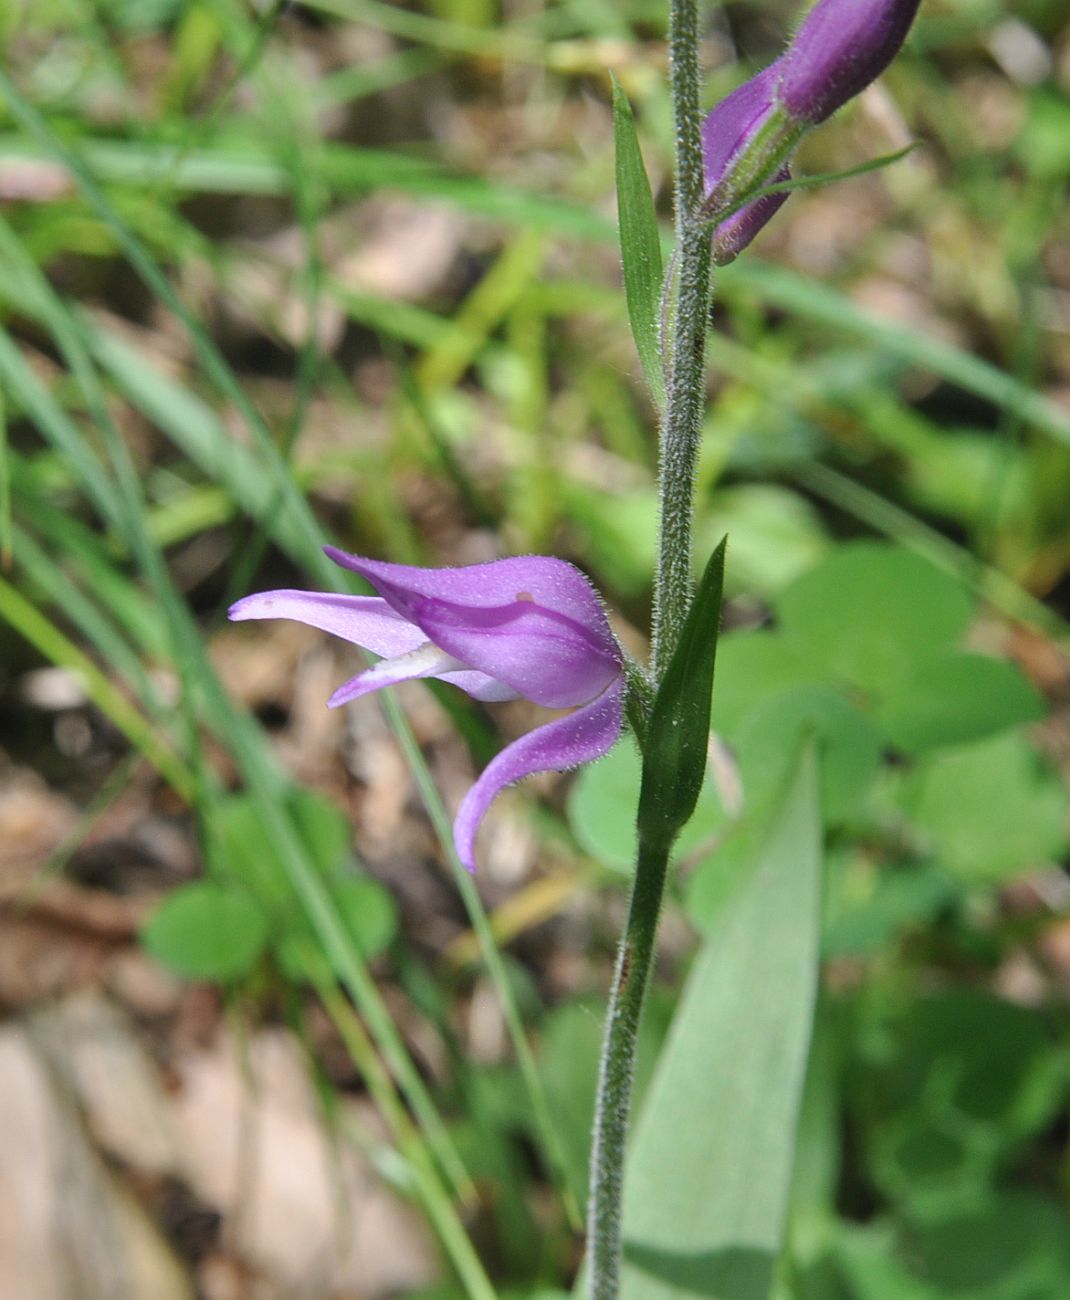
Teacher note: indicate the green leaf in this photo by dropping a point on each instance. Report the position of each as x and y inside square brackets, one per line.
[364, 907]
[677, 740]
[956, 698]
[640, 243]
[240, 164]
[849, 749]
[873, 613]
[1000, 1067]
[1011, 1246]
[206, 931]
[600, 792]
[865, 1258]
[812, 182]
[369, 912]
[775, 725]
[751, 667]
[241, 847]
[989, 811]
[707, 1186]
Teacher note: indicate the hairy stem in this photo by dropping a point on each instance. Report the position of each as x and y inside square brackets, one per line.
[635, 958]
[684, 352]
[686, 344]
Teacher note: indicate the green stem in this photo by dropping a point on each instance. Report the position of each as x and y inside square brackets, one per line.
[635, 959]
[639, 699]
[685, 346]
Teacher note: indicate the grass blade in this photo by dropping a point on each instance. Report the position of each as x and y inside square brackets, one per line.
[306, 540]
[812, 301]
[43, 634]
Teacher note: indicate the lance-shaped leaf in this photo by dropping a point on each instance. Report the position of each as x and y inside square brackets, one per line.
[674, 758]
[710, 1166]
[640, 243]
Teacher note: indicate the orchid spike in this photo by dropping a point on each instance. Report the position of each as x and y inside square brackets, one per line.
[529, 627]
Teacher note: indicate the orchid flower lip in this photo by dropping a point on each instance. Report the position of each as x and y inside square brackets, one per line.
[565, 743]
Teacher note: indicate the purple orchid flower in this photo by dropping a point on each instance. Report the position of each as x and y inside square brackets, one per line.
[529, 627]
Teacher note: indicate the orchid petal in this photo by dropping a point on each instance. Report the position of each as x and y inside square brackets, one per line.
[478, 685]
[732, 236]
[552, 584]
[426, 660]
[533, 623]
[564, 743]
[367, 621]
[542, 655]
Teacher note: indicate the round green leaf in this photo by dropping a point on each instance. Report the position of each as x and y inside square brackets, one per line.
[602, 806]
[776, 535]
[919, 1161]
[240, 847]
[849, 748]
[752, 666]
[324, 828]
[873, 613]
[989, 811]
[956, 698]
[207, 931]
[369, 913]
[365, 908]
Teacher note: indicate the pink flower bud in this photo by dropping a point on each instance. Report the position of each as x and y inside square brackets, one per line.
[726, 132]
[840, 48]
